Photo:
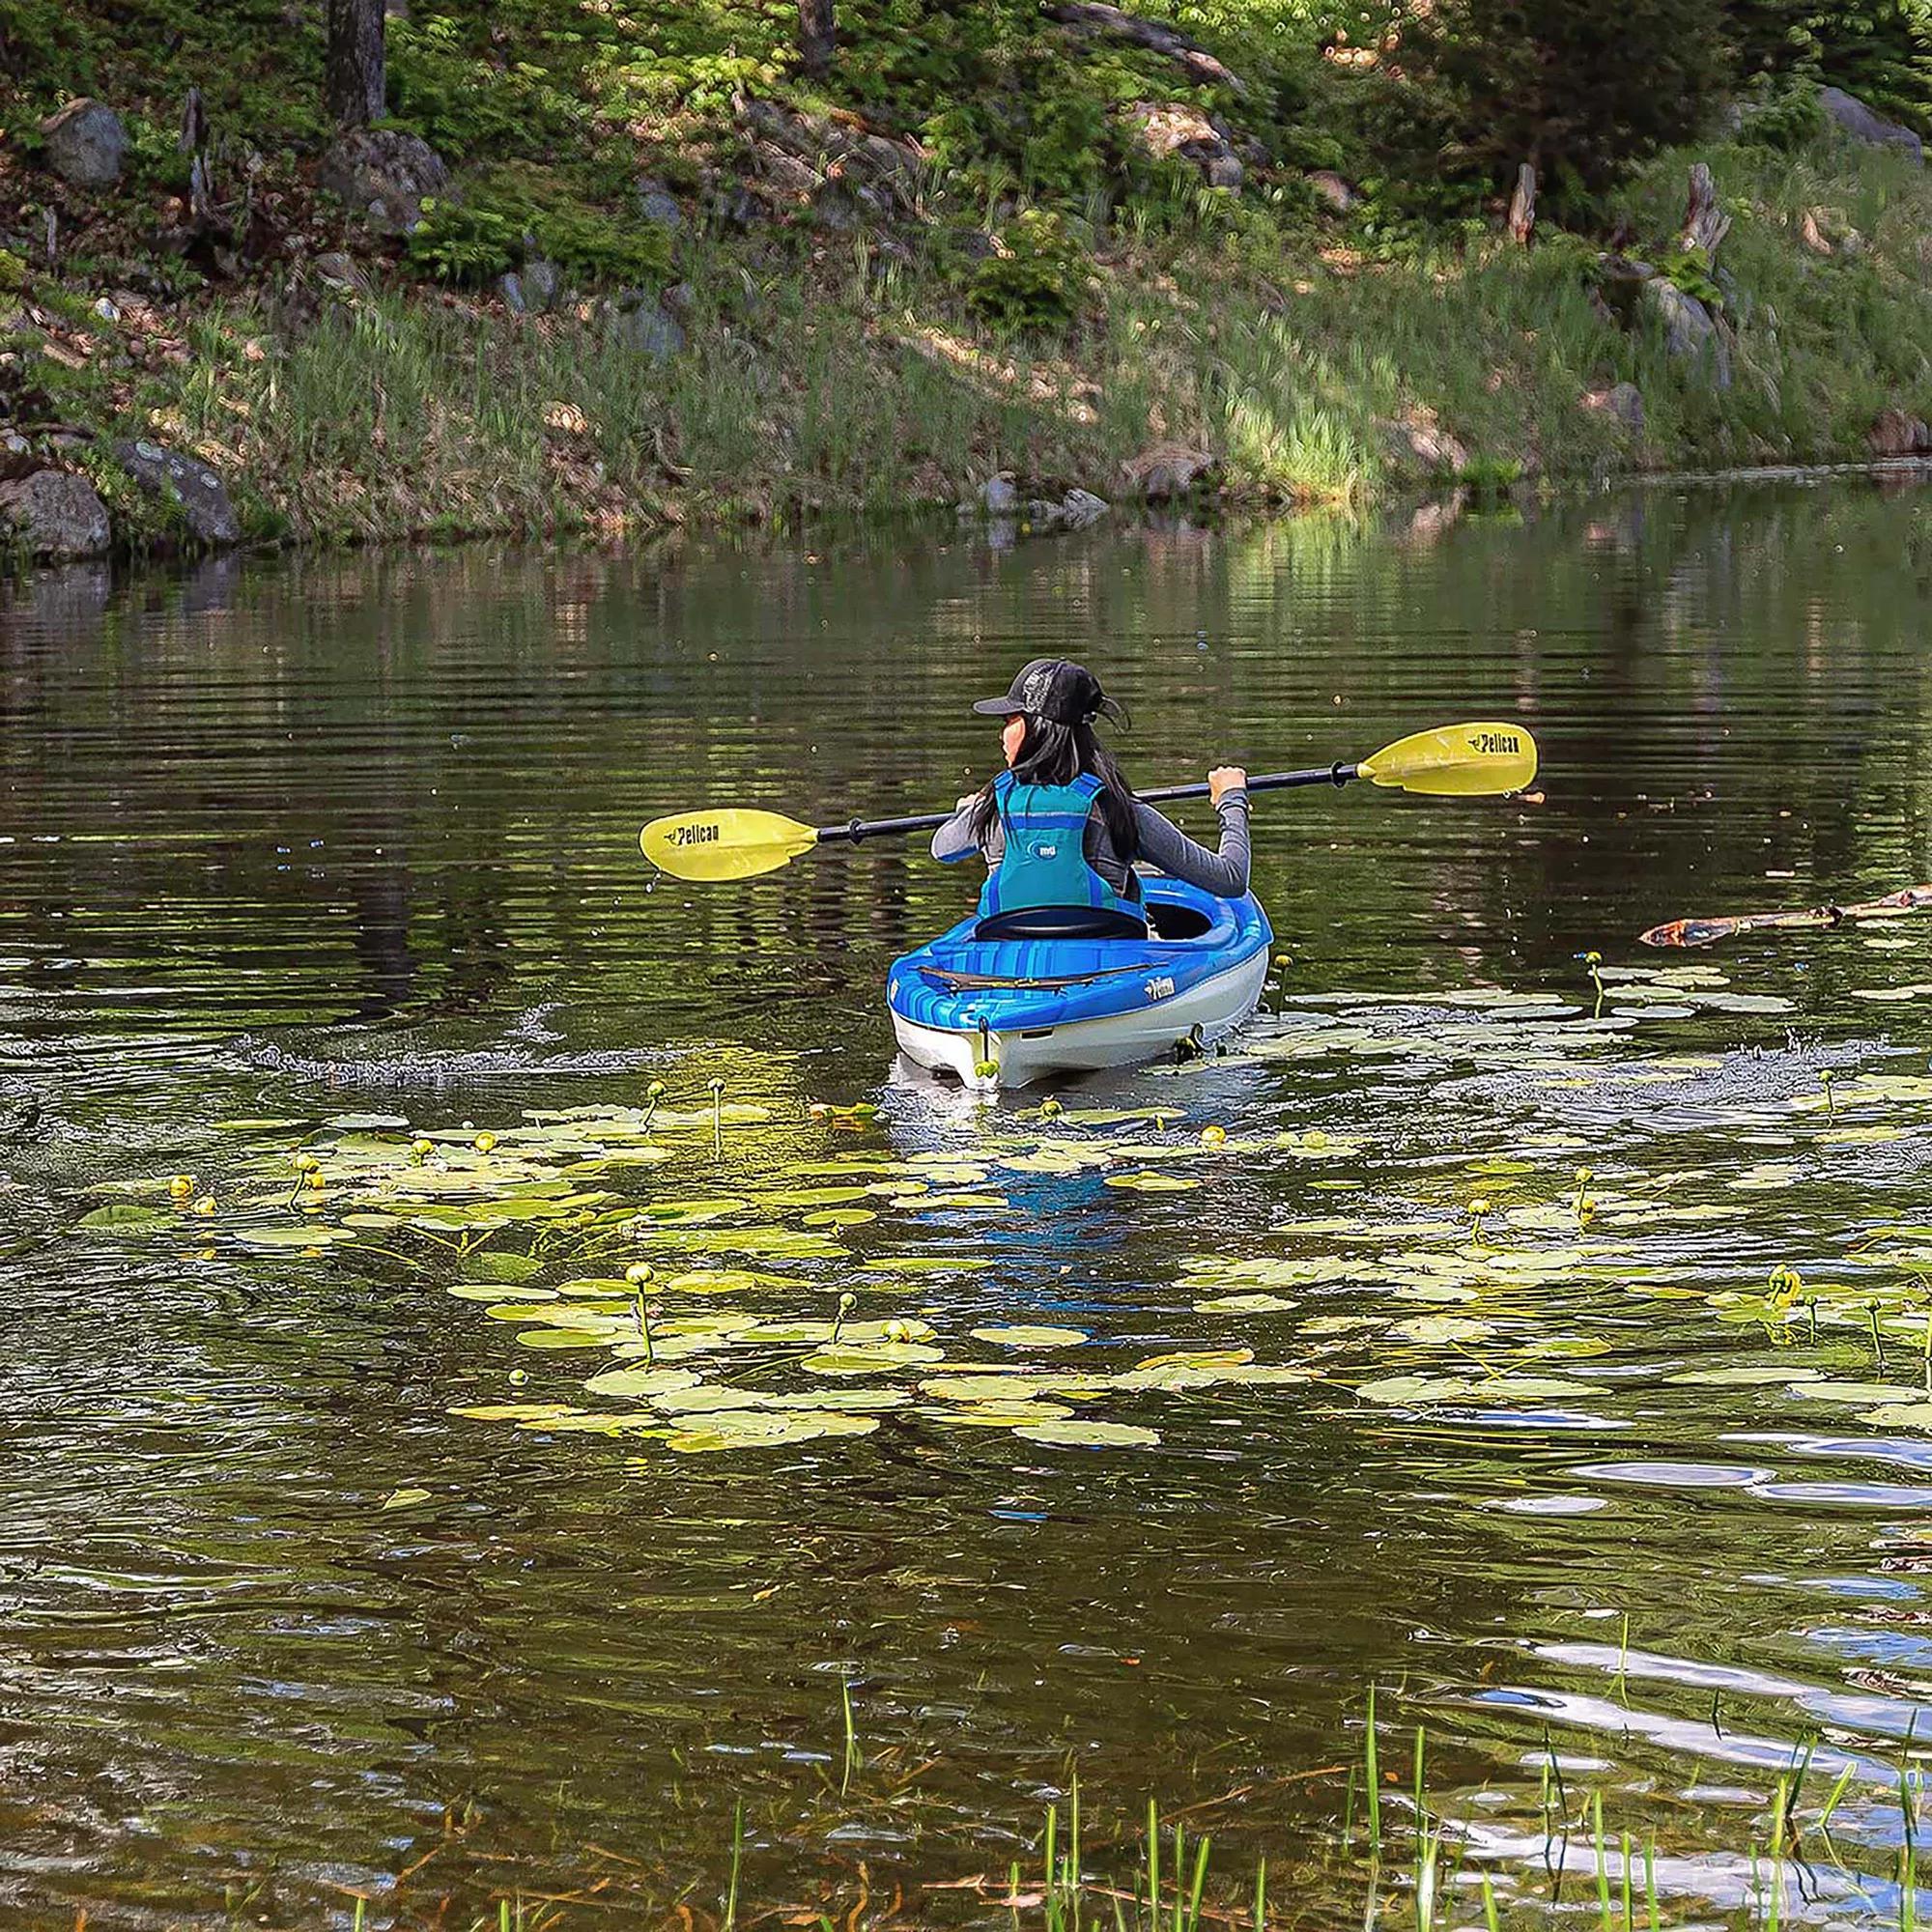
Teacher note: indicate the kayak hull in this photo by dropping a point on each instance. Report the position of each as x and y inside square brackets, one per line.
[1006, 1013]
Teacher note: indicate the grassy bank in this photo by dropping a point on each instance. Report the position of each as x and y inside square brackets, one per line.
[901, 355]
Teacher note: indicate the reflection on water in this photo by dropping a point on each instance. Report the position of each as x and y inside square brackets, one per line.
[1563, 1471]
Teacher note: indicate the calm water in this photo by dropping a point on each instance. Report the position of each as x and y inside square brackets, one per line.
[297, 852]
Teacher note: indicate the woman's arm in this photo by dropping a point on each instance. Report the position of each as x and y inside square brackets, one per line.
[955, 840]
[1224, 874]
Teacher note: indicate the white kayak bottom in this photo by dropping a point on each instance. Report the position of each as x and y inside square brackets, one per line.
[1202, 1015]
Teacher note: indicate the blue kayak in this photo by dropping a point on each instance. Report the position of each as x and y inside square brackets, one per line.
[1003, 1012]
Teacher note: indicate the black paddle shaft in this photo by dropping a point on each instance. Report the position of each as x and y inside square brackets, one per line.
[931, 821]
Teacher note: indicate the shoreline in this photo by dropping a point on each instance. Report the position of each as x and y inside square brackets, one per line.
[1403, 511]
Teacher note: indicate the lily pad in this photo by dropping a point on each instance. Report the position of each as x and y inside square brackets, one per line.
[1021, 1335]
[1146, 1181]
[761, 1429]
[1082, 1434]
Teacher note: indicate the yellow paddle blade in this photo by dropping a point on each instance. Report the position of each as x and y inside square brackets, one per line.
[731, 844]
[1456, 761]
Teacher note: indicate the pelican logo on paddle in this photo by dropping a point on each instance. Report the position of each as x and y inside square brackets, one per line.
[706, 834]
[1496, 744]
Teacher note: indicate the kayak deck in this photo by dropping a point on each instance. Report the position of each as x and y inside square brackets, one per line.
[1029, 1007]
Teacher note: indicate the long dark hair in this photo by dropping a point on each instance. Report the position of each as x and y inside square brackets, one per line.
[1056, 754]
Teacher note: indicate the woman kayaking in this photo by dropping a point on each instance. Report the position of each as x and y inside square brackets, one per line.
[1062, 831]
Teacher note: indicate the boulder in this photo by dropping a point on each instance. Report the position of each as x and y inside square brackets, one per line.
[1863, 123]
[1080, 507]
[382, 174]
[510, 287]
[998, 497]
[542, 285]
[642, 323]
[659, 206]
[1179, 129]
[1415, 442]
[1329, 186]
[1167, 469]
[1621, 401]
[57, 514]
[1893, 433]
[836, 206]
[197, 489]
[86, 143]
[1689, 329]
[340, 273]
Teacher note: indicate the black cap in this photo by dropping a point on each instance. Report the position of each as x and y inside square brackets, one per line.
[1051, 687]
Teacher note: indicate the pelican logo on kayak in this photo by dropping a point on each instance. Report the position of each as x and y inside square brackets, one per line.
[1159, 989]
[695, 834]
[1496, 744]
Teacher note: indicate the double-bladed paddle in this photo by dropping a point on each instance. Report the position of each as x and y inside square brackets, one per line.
[1451, 761]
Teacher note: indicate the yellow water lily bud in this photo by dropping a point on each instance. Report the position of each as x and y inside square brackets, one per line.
[1051, 1109]
[1479, 1207]
[898, 1331]
[1213, 1136]
[180, 1186]
[847, 1303]
[483, 1143]
[519, 1377]
[655, 1090]
[640, 1273]
[205, 1206]
[317, 1178]
[422, 1149]
[306, 1162]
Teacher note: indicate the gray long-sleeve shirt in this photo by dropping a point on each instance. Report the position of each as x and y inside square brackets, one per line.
[1162, 844]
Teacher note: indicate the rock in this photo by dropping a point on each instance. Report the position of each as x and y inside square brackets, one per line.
[1893, 433]
[1416, 442]
[1166, 469]
[341, 274]
[659, 206]
[1623, 401]
[1329, 186]
[1042, 515]
[641, 323]
[1863, 123]
[1689, 329]
[998, 497]
[1182, 130]
[383, 174]
[86, 143]
[200, 492]
[836, 206]
[680, 298]
[738, 208]
[1080, 507]
[510, 287]
[58, 515]
[542, 285]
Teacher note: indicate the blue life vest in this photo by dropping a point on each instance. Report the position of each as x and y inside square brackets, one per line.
[1043, 862]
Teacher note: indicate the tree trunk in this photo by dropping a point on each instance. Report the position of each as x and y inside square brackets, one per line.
[1522, 206]
[353, 80]
[817, 35]
[1705, 224]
